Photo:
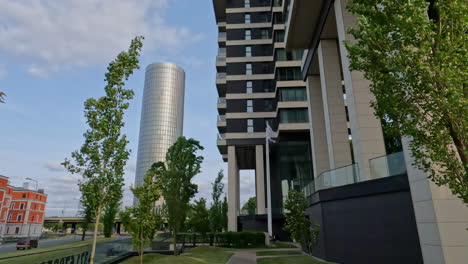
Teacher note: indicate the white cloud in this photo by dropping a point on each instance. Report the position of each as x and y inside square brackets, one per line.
[56, 35]
[54, 166]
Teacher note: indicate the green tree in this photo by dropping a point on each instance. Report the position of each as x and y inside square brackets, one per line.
[102, 158]
[88, 215]
[415, 55]
[2, 95]
[216, 209]
[175, 179]
[250, 205]
[224, 216]
[297, 224]
[200, 217]
[142, 220]
[110, 212]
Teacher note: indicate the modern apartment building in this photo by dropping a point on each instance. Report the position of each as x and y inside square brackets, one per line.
[320, 28]
[162, 115]
[259, 82]
[21, 210]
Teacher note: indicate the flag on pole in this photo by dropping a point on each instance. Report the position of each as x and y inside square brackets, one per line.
[270, 134]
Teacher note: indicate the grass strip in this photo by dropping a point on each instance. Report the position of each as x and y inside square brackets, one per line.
[203, 254]
[278, 252]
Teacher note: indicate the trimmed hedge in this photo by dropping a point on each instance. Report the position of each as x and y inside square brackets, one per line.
[240, 239]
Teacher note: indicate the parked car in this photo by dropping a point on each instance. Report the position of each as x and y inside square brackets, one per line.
[26, 243]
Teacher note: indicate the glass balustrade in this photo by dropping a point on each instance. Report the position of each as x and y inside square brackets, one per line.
[221, 100]
[221, 118]
[220, 75]
[337, 177]
[389, 165]
[222, 35]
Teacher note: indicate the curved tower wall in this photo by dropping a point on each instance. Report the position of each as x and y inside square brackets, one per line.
[162, 115]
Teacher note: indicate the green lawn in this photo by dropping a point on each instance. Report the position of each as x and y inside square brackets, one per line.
[278, 252]
[289, 260]
[64, 250]
[205, 255]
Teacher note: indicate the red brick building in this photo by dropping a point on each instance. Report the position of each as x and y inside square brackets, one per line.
[21, 210]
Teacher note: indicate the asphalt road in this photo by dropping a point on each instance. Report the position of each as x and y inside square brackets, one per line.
[44, 243]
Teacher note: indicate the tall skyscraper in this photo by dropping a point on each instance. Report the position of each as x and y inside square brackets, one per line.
[259, 82]
[162, 114]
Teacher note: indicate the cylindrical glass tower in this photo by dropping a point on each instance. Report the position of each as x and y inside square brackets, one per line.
[162, 115]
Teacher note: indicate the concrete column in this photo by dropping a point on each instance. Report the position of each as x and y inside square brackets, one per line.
[260, 179]
[366, 129]
[233, 189]
[339, 152]
[318, 137]
[441, 218]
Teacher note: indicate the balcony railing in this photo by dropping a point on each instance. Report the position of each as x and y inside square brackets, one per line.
[221, 136]
[221, 100]
[221, 75]
[222, 52]
[389, 165]
[221, 35]
[221, 118]
[220, 58]
[337, 177]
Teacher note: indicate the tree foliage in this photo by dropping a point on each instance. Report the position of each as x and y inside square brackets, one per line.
[297, 224]
[142, 220]
[110, 212]
[216, 209]
[199, 217]
[102, 157]
[250, 205]
[175, 179]
[224, 216]
[2, 96]
[415, 55]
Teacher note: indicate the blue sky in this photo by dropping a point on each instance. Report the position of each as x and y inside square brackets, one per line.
[53, 56]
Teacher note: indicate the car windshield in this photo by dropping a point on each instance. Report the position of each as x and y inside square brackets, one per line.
[22, 240]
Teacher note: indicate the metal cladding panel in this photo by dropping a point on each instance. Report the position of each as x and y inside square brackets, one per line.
[162, 115]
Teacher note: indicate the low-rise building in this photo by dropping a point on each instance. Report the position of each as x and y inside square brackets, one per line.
[21, 210]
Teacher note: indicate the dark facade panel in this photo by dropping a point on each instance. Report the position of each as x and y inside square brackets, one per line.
[256, 33]
[236, 125]
[241, 3]
[257, 50]
[239, 68]
[236, 106]
[256, 17]
[367, 222]
[258, 86]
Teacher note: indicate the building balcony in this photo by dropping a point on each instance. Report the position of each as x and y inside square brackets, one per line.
[222, 145]
[221, 84]
[221, 123]
[222, 105]
[222, 37]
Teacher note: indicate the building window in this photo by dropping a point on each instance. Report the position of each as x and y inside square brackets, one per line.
[293, 116]
[248, 68]
[247, 18]
[268, 105]
[32, 218]
[248, 34]
[289, 74]
[12, 206]
[9, 217]
[250, 126]
[246, 3]
[21, 206]
[24, 195]
[265, 34]
[248, 51]
[249, 106]
[279, 36]
[19, 217]
[16, 230]
[249, 89]
[293, 94]
[282, 55]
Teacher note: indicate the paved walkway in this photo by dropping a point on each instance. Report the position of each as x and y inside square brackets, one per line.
[249, 256]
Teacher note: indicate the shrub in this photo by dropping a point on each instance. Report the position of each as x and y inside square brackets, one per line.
[240, 239]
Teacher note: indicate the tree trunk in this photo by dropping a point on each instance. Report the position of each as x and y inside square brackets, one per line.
[142, 245]
[93, 249]
[83, 235]
[175, 243]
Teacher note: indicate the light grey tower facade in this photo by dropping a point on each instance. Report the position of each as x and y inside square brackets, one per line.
[162, 114]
